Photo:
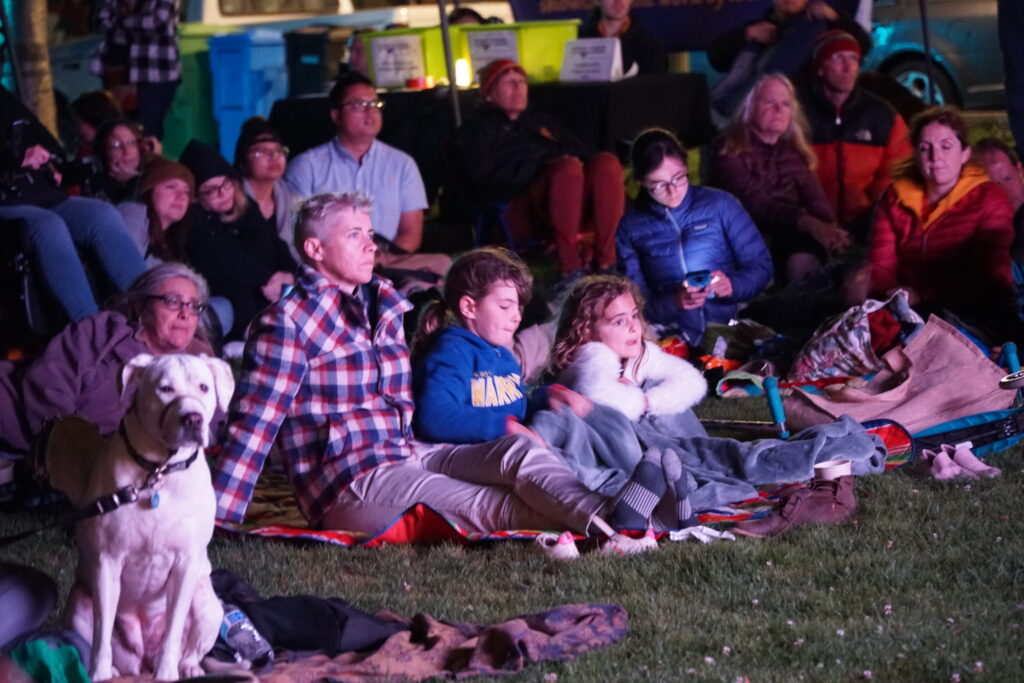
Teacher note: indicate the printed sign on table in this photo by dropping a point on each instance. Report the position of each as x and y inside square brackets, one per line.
[487, 46]
[592, 59]
[396, 59]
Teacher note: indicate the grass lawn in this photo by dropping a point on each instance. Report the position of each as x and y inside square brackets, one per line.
[926, 584]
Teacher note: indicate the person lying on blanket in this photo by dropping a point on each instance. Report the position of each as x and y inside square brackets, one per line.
[467, 383]
[326, 373]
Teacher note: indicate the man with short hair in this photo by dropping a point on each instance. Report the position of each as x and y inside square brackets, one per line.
[613, 19]
[1003, 168]
[356, 161]
[326, 375]
[857, 136]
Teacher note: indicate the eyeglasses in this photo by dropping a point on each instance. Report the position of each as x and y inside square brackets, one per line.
[123, 144]
[218, 189]
[662, 187]
[264, 153]
[365, 105]
[175, 303]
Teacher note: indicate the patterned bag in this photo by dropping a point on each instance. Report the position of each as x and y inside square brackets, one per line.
[841, 346]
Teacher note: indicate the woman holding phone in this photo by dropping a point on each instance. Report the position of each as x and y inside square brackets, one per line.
[693, 251]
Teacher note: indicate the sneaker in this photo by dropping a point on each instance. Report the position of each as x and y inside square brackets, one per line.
[620, 544]
[557, 546]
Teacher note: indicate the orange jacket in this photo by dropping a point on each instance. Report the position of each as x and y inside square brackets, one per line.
[856, 148]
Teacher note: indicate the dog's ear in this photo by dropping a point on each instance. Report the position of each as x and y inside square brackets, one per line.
[131, 370]
[223, 381]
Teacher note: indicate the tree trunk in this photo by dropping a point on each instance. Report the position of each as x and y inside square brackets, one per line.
[28, 24]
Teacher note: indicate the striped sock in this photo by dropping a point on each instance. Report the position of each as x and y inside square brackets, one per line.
[684, 486]
[640, 495]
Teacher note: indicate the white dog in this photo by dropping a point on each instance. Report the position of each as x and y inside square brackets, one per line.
[143, 595]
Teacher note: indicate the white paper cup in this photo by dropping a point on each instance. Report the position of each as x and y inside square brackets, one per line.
[832, 469]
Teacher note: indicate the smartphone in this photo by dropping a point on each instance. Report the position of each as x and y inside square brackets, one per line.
[698, 278]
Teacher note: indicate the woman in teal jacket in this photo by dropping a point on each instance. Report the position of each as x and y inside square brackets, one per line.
[694, 251]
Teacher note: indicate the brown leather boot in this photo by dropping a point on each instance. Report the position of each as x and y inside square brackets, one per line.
[832, 500]
[824, 501]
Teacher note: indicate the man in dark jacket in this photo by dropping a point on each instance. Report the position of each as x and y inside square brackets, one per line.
[613, 19]
[778, 42]
[857, 136]
[512, 154]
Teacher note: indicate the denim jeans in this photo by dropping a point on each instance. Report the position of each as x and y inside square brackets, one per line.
[91, 225]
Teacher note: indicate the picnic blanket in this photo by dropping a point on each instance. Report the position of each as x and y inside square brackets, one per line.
[428, 647]
[273, 512]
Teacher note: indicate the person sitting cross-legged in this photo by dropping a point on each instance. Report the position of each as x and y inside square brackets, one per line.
[326, 374]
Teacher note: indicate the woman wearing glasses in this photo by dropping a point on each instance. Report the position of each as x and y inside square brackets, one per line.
[260, 156]
[77, 372]
[120, 153]
[693, 251]
[230, 242]
[763, 158]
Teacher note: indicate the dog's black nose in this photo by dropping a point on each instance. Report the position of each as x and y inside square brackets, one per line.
[192, 420]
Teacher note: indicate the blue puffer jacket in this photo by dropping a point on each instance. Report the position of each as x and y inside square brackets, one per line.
[710, 230]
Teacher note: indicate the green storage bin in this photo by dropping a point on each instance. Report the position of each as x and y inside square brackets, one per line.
[541, 45]
[191, 113]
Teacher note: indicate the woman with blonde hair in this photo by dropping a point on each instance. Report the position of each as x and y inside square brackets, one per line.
[764, 159]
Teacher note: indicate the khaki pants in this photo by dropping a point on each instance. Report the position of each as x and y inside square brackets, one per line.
[510, 483]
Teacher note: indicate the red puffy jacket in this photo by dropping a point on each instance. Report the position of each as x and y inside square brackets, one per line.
[953, 252]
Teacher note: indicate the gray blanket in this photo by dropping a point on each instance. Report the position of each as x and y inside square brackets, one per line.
[604, 448]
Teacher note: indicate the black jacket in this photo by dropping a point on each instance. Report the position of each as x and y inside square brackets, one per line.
[638, 45]
[237, 258]
[495, 158]
[19, 130]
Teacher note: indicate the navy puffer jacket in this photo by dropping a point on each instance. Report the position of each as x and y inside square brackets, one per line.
[710, 230]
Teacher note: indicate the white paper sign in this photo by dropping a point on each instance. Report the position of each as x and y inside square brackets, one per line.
[487, 46]
[396, 59]
[592, 59]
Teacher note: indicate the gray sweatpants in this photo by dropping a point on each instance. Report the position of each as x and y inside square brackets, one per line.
[509, 483]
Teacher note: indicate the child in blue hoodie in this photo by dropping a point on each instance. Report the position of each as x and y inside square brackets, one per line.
[467, 384]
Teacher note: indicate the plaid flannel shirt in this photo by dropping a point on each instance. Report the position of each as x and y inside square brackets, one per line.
[151, 33]
[338, 402]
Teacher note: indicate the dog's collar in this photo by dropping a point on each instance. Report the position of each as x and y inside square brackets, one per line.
[155, 470]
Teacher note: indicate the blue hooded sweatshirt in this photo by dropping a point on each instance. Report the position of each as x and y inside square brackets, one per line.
[465, 389]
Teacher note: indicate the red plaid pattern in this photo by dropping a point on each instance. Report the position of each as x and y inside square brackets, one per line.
[338, 402]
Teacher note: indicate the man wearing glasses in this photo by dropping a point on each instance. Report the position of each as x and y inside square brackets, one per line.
[356, 161]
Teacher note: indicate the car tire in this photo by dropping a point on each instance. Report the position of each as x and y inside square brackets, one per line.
[913, 76]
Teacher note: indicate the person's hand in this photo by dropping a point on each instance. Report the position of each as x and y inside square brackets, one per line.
[835, 239]
[272, 290]
[821, 10]
[764, 32]
[150, 145]
[514, 427]
[721, 285]
[913, 298]
[559, 396]
[689, 298]
[35, 157]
